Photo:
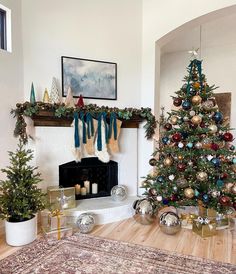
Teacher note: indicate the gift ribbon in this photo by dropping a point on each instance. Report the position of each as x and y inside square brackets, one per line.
[188, 218]
[57, 213]
[203, 221]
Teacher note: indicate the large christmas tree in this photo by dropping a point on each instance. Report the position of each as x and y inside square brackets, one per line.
[195, 160]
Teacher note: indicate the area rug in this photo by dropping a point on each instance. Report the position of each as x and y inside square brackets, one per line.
[89, 254]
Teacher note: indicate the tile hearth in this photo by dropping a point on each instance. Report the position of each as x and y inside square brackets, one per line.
[104, 209]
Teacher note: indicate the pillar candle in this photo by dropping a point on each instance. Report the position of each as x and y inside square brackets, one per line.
[77, 189]
[87, 185]
[83, 191]
[94, 188]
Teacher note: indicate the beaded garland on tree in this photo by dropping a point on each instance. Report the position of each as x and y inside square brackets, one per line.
[195, 159]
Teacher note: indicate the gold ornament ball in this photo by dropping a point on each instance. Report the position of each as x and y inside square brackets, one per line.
[196, 120]
[233, 189]
[180, 157]
[213, 129]
[189, 193]
[168, 161]
[196, 100]
[173, 120]
[201, 176]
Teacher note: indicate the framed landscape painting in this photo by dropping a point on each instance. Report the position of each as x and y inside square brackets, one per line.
[89, 78]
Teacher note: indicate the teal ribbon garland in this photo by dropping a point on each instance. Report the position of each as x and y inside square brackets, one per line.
[90, 125]
[84, 127]
[113, 125]
[76, 133]
[198, 64]
[101, 116]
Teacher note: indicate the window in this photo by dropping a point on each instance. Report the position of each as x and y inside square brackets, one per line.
[3, 42]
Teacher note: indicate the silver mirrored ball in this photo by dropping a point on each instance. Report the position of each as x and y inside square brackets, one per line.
[85, 222]
[144, 211]
[170, 223]
[118, 193]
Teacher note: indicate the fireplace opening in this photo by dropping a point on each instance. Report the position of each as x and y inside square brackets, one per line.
[98, 177]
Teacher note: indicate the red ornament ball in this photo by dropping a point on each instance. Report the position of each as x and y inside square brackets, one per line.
[152, 192]
[181, 166]
[224, 176]
[234, 205]
[228, 137]
[202, 125]
[176, 137]
[174, 198]
[168, 126]
[214, 146]
[177, 102]
[224, 200]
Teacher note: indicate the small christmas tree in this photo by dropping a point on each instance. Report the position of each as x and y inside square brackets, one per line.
[195, 161]
[20, 198]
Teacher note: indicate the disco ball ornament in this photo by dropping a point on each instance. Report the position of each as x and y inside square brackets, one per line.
[181, 182]
[169, 223]
[177, 102]
[218, 117]
[186, 105]
[118, 193]
[213, 129]
[202, 176]
[208, 105]
[85, 222]
[144, 211]
[196, 100]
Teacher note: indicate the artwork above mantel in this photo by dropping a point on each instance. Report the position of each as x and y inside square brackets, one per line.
[46, 114]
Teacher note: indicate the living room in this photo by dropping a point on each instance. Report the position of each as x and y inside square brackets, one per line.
[148, 41]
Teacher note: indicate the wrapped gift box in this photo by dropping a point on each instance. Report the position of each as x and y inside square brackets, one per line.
[222, 221]
[55, 235]
[204, 227]
[53, 220]
[206, 212]
[61, 198]
[187, 214]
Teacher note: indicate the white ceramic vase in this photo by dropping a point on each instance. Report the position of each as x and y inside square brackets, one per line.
[21, 233]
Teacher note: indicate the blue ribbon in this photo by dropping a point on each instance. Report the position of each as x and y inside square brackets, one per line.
[113, 125]
[101, 116]
[198, 64]
[76, 133]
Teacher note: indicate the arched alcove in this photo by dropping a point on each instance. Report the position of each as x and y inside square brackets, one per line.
[214, 34]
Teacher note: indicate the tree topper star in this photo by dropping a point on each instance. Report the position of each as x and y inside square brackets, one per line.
[193, 52]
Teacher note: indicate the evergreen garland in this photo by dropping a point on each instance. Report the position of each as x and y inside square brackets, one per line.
[60, 110]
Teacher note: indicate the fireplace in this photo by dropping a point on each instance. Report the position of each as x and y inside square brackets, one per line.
[105, 175]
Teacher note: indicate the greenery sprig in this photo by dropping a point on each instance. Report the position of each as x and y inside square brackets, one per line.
[60, 110]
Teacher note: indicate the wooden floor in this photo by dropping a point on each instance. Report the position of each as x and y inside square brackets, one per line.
[221, 247]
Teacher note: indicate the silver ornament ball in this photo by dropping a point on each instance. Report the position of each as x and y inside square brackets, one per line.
[118, 193]
[85, 222]
[170, 223]
[144, 211]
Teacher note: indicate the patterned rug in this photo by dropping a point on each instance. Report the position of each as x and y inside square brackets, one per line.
[89, 254]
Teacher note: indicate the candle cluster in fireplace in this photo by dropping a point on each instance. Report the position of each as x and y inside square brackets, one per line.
[79, 190]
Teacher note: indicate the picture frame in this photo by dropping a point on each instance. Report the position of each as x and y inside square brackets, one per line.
[90, 78]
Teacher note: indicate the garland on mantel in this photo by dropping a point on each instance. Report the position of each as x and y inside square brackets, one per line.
[60, 110]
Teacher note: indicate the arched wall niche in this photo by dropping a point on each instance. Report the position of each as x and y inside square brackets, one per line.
[159, 45]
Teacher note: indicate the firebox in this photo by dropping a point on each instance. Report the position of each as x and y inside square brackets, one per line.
[105, 175]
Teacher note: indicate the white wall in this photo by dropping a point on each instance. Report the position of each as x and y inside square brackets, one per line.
[106, 30]
[159, 19]
[11, 77]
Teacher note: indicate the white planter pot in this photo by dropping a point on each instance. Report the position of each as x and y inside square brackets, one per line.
[21, 233]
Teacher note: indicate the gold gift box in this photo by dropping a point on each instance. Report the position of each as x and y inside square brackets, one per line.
[222, 221]
[207, 212]
[61, 198]
[204, 230]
